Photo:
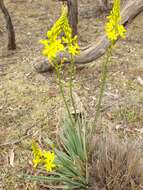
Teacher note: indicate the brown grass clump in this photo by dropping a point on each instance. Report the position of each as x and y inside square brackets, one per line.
[117, 164]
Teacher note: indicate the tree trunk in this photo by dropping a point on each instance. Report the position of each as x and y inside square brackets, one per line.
[73, 15]
[103, 4]
[96, 50]
[10, 29]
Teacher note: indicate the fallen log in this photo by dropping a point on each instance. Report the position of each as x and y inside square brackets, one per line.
[95, 50]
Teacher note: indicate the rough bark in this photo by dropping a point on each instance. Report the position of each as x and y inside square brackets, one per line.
[73, 15]
[10, 29]
[98, 48]
[103, 4]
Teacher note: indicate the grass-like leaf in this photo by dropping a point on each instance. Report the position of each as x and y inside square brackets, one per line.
[71, 159]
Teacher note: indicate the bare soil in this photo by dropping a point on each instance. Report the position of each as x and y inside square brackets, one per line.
[30, 103]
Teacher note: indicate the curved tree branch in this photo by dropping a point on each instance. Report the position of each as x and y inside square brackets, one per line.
[96, 50]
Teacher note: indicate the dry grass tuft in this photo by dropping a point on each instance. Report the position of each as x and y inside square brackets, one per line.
[117, 164]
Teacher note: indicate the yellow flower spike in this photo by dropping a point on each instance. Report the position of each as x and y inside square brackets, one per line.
[55, 43]
[113, 28]
[45, 158]
[37, 154]
[36, 162]
[49, 158]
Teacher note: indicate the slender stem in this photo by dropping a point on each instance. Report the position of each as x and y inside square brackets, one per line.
[72, 73]
[103, 82]
[62, 92]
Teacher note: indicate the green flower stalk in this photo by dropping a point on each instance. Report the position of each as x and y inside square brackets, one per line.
[60, 40]
[114, 29]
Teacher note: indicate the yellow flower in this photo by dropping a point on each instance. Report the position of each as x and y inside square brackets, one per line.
[73, 49]
[37, 154]
[113, 28]
[49, 160]
[55, 43]
[45, 158]
[51, 50]
[36, 161]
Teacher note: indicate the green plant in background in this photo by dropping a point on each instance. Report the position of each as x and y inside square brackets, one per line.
[114, 29]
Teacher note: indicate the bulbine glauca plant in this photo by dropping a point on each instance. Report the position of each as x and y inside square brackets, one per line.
[114, 29]
[59, 41]
[68, 163]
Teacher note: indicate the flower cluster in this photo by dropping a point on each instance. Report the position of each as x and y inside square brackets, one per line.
[113, 27]
[55, 43]
[45, 158]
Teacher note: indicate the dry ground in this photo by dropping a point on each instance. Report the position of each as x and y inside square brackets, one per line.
[30, 103]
